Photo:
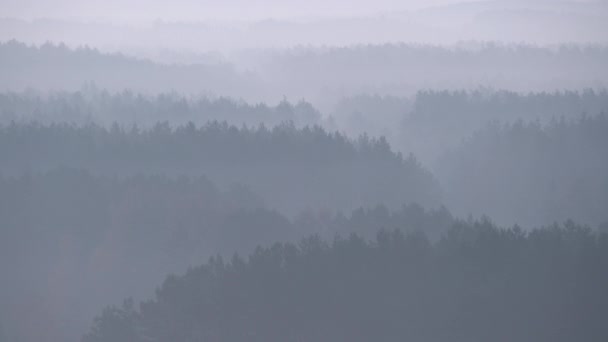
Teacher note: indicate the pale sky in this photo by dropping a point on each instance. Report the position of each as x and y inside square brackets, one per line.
[132, 24]
[135, 11]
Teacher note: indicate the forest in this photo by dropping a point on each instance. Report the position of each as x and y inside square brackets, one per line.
[477, 282]
[299, 72]
[132, 202]
[421, 170]
[290, 168]
[547, 149]
[118, 236]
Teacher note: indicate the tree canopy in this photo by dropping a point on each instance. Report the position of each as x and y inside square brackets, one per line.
[478, 283]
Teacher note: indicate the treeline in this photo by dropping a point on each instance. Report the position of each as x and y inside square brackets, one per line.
[464, 107]
[531, 173]
[530, 159]
[440, 120]
[520, 158]
[72, 242]
[321, 75]
[58, 67]
[403, 69]
[535, 158]
[478, 283]
[190, 215]
[92, 105]
[526, 173]
[427, 124]
[291, 168]
[434, 121]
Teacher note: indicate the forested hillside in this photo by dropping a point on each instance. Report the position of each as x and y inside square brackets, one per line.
[440, 120]
[531, 173]
[98, 239]
[479, 283]
[405, 69]
[433, 121]
[291, 168]
[92, 105]
[59, 67]
[322, 75]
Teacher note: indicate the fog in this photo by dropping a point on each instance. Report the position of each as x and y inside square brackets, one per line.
[288, 171]
[186, 29]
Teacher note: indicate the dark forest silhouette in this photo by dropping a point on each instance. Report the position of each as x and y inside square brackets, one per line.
[93, 105]
[478, 283]
[291, 168]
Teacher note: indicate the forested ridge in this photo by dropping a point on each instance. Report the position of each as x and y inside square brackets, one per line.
[539, 172]
[439, 120]
[321, 74]
[532, 171]
[92, 105]
[115, 236]
[433, 120]
[291, 168]
[477, 283]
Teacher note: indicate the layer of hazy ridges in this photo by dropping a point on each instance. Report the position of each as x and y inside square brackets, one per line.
[72, 242]
[91, 105]
[531, 173]
[57, 67]
[440, 120]
[321, 75]
[292, 169]
[396, 69]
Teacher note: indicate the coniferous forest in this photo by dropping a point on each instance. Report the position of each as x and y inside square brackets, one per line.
[424, 171]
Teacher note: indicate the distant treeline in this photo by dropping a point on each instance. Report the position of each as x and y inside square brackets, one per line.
[58, 67]
[528, 173]
[91, 105]
[72, 242]
[520, 158]
[290, 168]
[451, 108]
[182, 215]
[440, 120]
[478, 283]
[394, 69]
[321, 75]
[434, 121]
[531, 173]
[427, 124]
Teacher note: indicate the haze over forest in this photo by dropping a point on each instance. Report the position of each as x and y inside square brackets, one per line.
[303, 171]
